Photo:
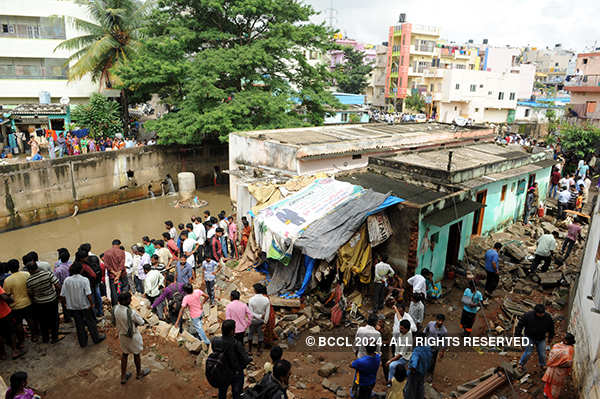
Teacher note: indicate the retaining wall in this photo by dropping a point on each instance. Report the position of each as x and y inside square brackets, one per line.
[36, 192]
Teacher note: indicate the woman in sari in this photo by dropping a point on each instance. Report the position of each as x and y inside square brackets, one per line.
[245, 235]
[269, 327]
[560, 361]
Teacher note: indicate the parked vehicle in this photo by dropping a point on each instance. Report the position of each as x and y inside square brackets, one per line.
[421, 118]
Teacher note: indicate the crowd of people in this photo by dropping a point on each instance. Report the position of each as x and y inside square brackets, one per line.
[63, 144]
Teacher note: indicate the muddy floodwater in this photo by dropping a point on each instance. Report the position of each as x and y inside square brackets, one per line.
[128, 222]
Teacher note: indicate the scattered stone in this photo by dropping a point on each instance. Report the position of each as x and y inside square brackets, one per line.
[300, 322]
[548, 227]
[289, 317]
[315, 330]
[431, 393]
[521, 288]
[327, 369]
[330, 385]
[515, 252]
[300, 385]
[193, 346]
[341, 393]
[173, 334]
[163, 329]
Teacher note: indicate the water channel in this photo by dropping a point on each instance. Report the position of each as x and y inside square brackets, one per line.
[127, 222]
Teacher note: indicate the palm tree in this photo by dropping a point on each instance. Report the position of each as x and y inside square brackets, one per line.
[108, 42]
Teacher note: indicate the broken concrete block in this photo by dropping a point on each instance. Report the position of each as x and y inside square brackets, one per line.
[173, 334]
[186, 336]
[193, 346]
[289, 317]
[548, 227]
[341, 393]
[300, 322]
[163, 328]
[153, 320]
[330, 385]
[515, 252]
[327, 369]
[315, 330]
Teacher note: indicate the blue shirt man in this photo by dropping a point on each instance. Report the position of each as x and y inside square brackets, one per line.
[419, 364]
[476, 298]
[491, 260]
[210, 267]
[185, 272]
[366, 368]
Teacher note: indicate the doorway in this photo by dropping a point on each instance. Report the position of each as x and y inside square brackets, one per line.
[531, 180]
[478, 215]
[454, 238]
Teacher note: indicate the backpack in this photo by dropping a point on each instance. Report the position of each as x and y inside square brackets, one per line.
[265, 389]
[217, 371]
[94, 263]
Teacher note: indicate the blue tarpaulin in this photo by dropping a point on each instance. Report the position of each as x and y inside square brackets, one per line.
[389, 201]
[81, 132]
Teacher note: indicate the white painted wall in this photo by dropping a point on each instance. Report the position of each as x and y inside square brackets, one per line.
[535, 114]
[27, 90]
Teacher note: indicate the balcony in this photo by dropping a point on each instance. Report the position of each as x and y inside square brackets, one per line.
[418, 29]
[459, 56]
[421, 50]
[582, 84]
[433, 73]
[413, 71]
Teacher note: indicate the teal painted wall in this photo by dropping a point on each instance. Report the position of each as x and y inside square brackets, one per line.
[497, 215]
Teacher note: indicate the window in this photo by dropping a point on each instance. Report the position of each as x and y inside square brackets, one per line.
[481, 86]
[527, 113]
[476, 109]
[457, 86]
[32, 68]
[500, 96]
[455, 108]
[460, 66]
[401, 60]
[472, 88]
[511, 96]
[585, 61]
[556, 64]
[503, 195]
[489, 93]
[431, 87]
[344, 117]
[357, 156]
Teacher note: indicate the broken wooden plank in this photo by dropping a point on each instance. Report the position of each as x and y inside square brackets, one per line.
[486, 387]
[285, 303]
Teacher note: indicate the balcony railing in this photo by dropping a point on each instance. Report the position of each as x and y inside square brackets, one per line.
[584, 81]
[581, 111]
[426, 30]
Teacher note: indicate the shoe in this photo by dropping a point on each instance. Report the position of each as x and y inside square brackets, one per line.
[143, 373]
[101, 338]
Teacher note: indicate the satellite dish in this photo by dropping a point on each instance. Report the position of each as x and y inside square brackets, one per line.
[65, 100]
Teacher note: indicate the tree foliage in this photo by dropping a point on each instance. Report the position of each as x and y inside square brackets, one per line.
[223, 66]
[553, 121]
[351, 75]
[415, 102]
[107, 43]
[579, 141]
[100, 115]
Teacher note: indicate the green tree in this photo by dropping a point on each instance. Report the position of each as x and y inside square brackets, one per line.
[108, 43]
[224, 66]
[101, 115]
[351, 75]
[579, 141]
[553, 121]
[415, 102]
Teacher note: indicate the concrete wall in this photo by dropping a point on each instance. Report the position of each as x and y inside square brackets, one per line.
[245, 150]
[36, 192]
[583, 323]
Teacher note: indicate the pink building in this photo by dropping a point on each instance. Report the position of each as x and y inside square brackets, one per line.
[337, 56]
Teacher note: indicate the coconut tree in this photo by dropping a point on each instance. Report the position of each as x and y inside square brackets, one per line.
[107, 43]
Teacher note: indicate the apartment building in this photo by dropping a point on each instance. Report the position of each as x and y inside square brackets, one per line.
[552, 64]
[376, 90]
[30, 30]
[585, 88]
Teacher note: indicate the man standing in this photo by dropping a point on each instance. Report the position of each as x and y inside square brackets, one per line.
[436, 329]
[367, 334]
[188, 247]
[554, 179]
[77, 295]
[152, 283]
[403, 343]
[194, 300]
[545, 248]
[43, 289]
[573, 232]
[15, 285]
[236, 359]
[472, 299]
[200, 232]
[216, 246]
[366, 372]
[148, 246]
[382, 271]
[239, 312]
[419, 364]
[260, 308]
[537, 325]
[491, 269]
[114, 261]
[564, 196]
[127, 321]
[419, 282]
[164, 255]
[209, 270]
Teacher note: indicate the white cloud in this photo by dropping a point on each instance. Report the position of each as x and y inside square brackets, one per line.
[537, 23]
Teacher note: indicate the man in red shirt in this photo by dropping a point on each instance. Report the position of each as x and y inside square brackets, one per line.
[6, 327]
[554, 179]
[114, 261]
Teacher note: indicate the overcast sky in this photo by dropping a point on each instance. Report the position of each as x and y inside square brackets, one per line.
[537, 23]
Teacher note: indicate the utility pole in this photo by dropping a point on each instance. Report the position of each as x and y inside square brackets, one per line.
[331, 15]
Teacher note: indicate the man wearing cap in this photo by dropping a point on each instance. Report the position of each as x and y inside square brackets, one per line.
[536, 325]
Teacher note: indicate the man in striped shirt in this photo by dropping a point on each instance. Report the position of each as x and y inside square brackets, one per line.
[43, 288]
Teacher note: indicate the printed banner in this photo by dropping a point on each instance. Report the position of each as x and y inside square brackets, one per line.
[290, 216]
[380, 228]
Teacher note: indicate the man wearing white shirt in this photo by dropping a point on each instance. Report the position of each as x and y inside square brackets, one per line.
[77, 295]
[260, 307]
[402, 314]
[200, 232]
[367, 336]
[188, 247]
[382, 272]
[152, 283]
[419, 282]
[403, 348]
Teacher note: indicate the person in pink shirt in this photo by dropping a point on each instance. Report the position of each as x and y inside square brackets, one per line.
[239, 312]
[573, 231]
[194, 300]
[232, 234]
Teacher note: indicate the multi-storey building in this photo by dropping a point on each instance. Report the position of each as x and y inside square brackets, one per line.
[585, 88]
[376, 89]
[552, 64]
[29, 64]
